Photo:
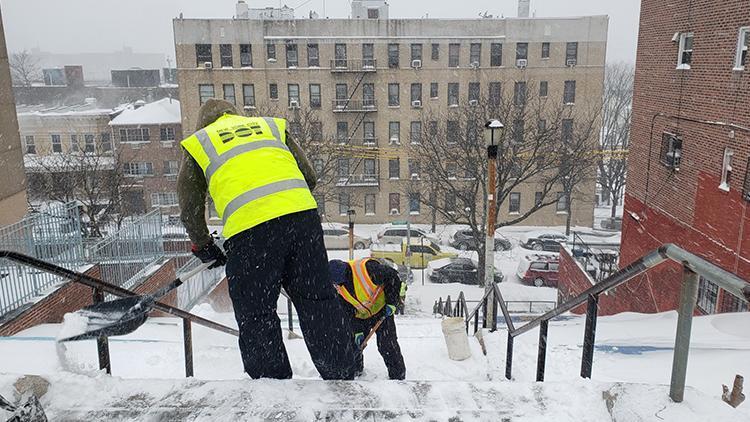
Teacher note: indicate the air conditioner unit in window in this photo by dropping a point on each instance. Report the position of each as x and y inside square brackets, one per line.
[672, 159]
[208, 65]
[416, 103]
[249, 107]
[416, 64]
[394, 212]
[521, 63]
[473, 103]
[394, 140]
[293, 104]
[571, 62]
[474, 65]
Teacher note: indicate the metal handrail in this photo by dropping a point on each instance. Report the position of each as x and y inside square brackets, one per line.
[693, 267]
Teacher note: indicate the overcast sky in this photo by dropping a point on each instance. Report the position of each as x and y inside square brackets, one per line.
[83, 26]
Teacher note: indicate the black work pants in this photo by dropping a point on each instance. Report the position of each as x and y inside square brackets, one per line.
[387, 345]
[287, 251]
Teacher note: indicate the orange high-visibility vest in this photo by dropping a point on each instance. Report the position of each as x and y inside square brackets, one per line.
[368, 298]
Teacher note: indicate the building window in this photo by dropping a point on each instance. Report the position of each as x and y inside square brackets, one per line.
[671, 150]
[562, 202]
[545, 50]
[569, 93]
[225, 51]
[726, 170]
[496, 54]
[567, 131]
[368, 55]
[246, 55]
[106, 142]
[393, 54]
[453, 131]
[495, 93]
[271, 51]
[394, 132]
[746, 187]
[514, 203]
[453, 94]
[166, 134]
[434, 90]
[171, 167]
[708, 293]
[518, 131]
[138, 169]
[393, 95]
[432, 128]
[344, 204]
[522, 51]
[686, 50]
[316, 131]
[342, 168]
[248, 95]
[475, 54]
[435, 51]
[416, 52]
[56, 143]
[543, 88]
[731, 303]
[743, 44]
[474, 88]
[164, 199]
[538, 198]
[454, 51]
[30, 147]
[394, 203]
[519, 94]
[450, 202]
[414, 169]
[414, 203]
[315, 100]
[293, 91]
[205, 91]
[339, 55]
[229, 93]
[373, 13]
[394, 169]
[368, 95]
[273, 91]
[541, 126]
[368, 129]
[342, 132]
[369, 168]
[370, 204]
[292, 55]
[451, 170]
[313, 55]
[571, 53]
[416, 95]
[415, 132]
[202, 54]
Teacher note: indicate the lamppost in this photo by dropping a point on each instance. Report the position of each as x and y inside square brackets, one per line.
[350, 214]
[493, 137]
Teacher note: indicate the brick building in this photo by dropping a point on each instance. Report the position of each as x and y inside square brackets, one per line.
[369, 79]
[688, 180]
[147, 138]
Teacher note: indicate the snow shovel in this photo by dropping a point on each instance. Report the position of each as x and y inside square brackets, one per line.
[121, 316]
[372, 332]
[31, 411]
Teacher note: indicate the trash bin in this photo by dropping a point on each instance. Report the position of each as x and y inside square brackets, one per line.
[454, 331]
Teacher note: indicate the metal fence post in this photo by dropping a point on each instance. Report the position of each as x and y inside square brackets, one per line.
[102, 344]
[509, 357]
[541, 358]
[688, 298]
[589, 337]
[289, 311]
[187, 338]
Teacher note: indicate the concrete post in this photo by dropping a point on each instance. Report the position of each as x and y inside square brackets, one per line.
[688, 297]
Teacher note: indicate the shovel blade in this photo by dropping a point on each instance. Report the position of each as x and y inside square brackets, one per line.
[113, 318]
[31, 411]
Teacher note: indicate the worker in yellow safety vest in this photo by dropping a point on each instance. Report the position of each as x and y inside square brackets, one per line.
[370, 290]
[260, 183]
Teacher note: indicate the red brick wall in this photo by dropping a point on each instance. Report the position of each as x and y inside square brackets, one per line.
[219, 298]
[687, 207]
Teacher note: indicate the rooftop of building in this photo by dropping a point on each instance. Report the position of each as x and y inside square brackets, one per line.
[164, 111]
[88, 108]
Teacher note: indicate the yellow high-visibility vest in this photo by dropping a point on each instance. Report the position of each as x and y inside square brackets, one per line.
[368, 298]
[252, 176]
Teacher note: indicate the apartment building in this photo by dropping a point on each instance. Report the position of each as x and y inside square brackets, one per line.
[147, 138]
[688, 167]
[13, 189]
[369, 80]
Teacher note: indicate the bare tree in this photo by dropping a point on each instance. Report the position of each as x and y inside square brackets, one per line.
[452, 157]
[24, 68]
[616, 115]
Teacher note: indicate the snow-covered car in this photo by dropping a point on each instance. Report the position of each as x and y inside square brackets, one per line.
[394, 235]
[460, 270]
[613, 223]
[464, 241]
[336, 237]
[539, 270]
[543, 240]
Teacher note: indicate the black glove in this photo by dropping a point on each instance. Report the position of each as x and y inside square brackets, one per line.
[210, 253]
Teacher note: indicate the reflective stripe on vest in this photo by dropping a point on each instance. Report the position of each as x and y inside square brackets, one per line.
[370, 298]
[246, 160]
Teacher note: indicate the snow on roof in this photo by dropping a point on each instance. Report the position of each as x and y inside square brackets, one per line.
[66, 162]
[166, 110]
[88, 108]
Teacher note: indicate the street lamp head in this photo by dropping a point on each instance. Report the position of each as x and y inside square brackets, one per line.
[492, 136]
[494, 124]
[350, 214]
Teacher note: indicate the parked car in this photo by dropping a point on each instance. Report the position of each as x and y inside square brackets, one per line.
[464, 241]
[338, 238]
[422, 252]
[543, 240]
[403, 271]
[394, 235]
[539, 270]
[460, 270]
[613, 223]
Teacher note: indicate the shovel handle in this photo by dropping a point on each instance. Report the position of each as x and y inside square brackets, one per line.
[372, 332]
[180, 280]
